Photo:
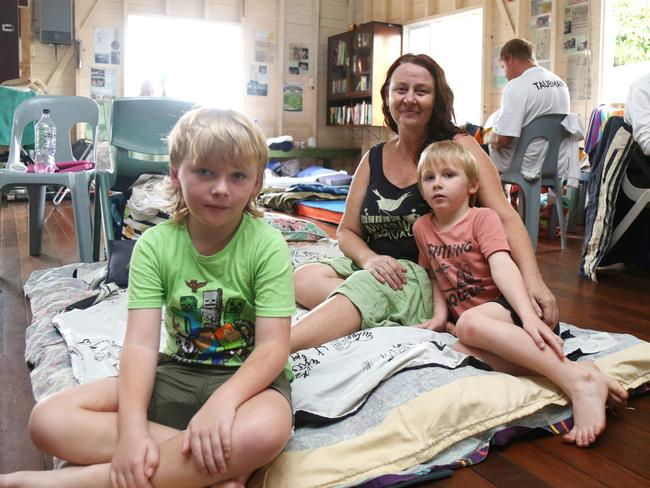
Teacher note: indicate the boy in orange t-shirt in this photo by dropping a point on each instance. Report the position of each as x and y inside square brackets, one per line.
[466, 250]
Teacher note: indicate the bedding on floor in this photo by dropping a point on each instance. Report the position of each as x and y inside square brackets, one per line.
[374, 408]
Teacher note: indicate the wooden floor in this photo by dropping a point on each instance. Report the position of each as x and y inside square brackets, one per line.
[620, 302]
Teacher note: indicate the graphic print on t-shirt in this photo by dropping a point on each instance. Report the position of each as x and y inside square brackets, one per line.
[388, 205]
[212, 332]
[457, 272]
[392, 225]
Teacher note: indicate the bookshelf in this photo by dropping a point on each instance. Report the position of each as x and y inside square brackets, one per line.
[357, 62]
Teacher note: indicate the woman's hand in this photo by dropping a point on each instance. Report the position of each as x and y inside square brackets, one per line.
[135, 461]
[437, 324]
[386, 269]
[209, 436]
[543, 301]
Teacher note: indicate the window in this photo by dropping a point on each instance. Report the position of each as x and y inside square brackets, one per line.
[452, 41]
[193, 60]
[626, 47]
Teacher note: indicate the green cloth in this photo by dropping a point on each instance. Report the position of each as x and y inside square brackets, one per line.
[10, 98]
[378, 303]
[212, 302]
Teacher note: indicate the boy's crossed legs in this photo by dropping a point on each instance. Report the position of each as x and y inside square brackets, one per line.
[487, 332]
[80, 425]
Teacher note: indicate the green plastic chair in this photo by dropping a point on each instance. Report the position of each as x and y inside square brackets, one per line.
[139, 130]
[66, 112]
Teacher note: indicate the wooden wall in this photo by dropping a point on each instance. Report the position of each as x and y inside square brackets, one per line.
[307, 22]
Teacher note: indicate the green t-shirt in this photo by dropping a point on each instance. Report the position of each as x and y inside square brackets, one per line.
[211, 301]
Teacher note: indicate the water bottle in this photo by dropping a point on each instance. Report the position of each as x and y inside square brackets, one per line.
[45, 144]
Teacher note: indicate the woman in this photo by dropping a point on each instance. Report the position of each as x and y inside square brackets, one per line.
[378, 282]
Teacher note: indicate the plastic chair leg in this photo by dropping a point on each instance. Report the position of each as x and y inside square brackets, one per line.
[560, 214]
[103, 217]
[36, 194]
[82, 221]
[97, 225]
[531, 200]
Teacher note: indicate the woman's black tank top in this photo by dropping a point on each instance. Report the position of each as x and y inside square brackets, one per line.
[388, 212]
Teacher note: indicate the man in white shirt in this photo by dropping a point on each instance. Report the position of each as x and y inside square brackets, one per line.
[531, 91]
[637, 112]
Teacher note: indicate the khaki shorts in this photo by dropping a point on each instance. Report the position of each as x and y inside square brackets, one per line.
[180, 390]
[378, 303]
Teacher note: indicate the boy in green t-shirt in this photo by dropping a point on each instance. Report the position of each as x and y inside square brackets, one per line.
[215, 404]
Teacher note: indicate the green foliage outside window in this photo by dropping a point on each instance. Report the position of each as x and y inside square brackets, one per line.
[633, 32]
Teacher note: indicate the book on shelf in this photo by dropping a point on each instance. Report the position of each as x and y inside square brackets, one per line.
[340, 53]
[358, 114]
[339, 86]
[362, 84]
[360, 64]
[363, 39]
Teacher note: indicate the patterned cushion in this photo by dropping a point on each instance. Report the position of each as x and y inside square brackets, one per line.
[294, 229]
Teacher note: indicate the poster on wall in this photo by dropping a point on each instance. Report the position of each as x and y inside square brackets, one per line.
[576, 23]
[498, 74]
[107, 46]
[264, 46]
[258, 80]
[293, 97]
[578, 76]
[298, 60]
[102, 83]
[539, 7]
[542, 42]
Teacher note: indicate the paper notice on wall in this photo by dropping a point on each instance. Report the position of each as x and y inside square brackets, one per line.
[107, 46]
[578, 76]
[538, 7]
[293, 97]
[102, 83]
[542, 41]
[298, 60]
[258, 80]
[264, 46]
[576, 23]
[498, 74]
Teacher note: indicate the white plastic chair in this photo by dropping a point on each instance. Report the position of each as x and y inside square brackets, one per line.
[66, 112]
[547, 127]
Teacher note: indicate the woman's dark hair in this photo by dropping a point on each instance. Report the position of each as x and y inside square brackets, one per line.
[441, 124]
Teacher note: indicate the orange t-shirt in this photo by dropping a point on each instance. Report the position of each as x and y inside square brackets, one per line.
[458, 256]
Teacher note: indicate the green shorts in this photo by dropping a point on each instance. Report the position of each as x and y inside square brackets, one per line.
[378, 303]
[180, 390]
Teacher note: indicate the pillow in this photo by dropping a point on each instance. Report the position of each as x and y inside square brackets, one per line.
[294, 229]
[118, 262]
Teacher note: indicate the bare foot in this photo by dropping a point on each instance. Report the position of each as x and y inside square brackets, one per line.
[22, 479]
[588, 396]
[617, 395]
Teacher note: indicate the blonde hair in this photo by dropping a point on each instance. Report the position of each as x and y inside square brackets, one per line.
[449, 154]
[208, 135]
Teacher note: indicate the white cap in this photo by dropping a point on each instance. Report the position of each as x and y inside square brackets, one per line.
[18, 167]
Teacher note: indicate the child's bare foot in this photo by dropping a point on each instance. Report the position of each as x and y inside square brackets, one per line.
[22, 479]
[588, 396]
[617, 395]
